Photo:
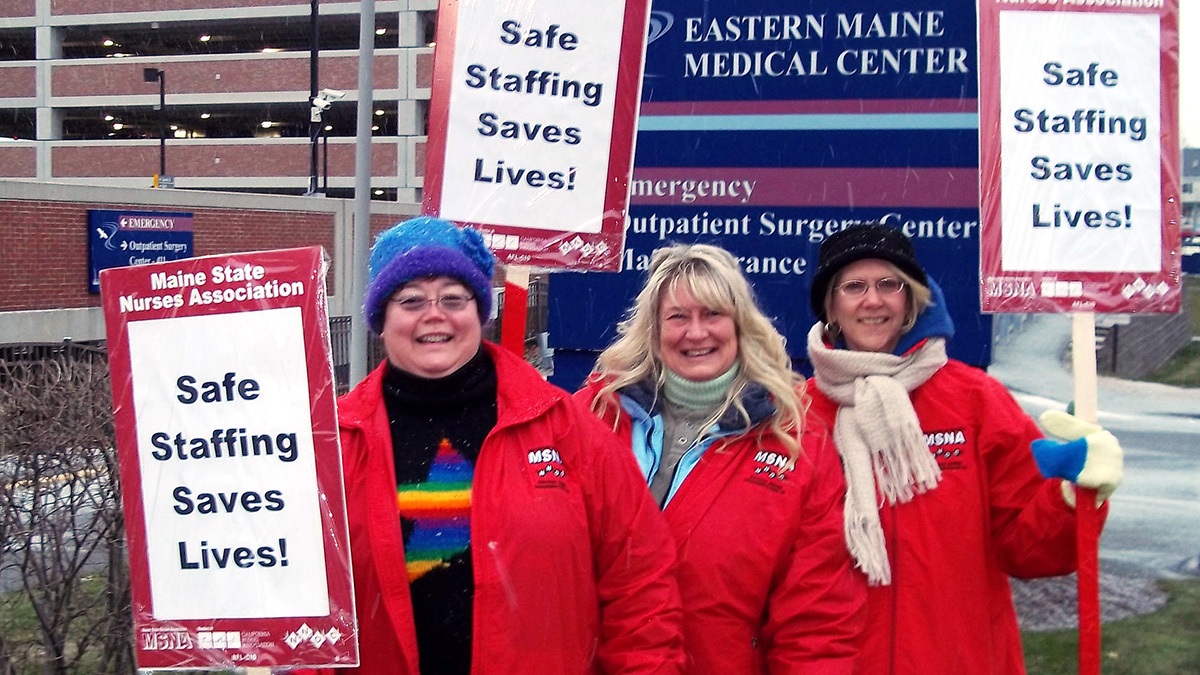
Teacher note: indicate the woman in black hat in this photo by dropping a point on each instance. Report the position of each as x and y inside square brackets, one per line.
[944, 498]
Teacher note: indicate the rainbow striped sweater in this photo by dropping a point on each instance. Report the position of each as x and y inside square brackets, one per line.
[439, 510]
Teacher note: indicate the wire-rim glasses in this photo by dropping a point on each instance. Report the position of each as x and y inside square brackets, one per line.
[859, 287]
[451, 302]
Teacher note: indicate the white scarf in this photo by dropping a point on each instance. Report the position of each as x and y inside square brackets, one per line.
[877, 435]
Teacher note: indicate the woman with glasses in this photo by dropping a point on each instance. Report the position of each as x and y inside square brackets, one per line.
[700, 388]
[944, 498]
[495, 525]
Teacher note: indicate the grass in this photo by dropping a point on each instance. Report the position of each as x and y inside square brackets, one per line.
[1166, 642]
[19, 627]
[1183, 370]
[1191, 287]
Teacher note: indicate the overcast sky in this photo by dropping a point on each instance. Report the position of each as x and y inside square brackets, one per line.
[1189, 72]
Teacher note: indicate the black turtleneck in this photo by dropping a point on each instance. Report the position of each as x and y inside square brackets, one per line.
[422, 411]
[459, 410]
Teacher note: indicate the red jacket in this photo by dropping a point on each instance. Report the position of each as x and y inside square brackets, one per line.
[766, 580]
[572, 560]
[949, 609]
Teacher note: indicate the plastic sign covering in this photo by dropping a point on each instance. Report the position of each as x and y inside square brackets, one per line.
[1080, 160]
[531, 126]
[231, 476]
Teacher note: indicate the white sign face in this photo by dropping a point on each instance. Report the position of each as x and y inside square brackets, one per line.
[1080, 142]
[228, 476]
[531, 113]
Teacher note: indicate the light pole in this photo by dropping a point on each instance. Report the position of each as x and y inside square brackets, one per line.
[150, 75]
[325, 158]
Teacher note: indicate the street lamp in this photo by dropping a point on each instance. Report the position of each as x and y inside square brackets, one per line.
[150, 75]
[314, 127]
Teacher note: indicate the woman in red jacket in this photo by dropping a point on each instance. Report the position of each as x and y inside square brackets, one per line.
[944, 497]
[495, 525]
[699, 387]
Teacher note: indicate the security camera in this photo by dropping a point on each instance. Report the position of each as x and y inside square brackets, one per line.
[332, 94]
[319, 106]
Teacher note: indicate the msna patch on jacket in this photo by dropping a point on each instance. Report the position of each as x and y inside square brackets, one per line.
[546, 469]
[769, 470]
[948, 447]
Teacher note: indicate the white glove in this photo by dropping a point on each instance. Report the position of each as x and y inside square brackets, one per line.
[1090, 457]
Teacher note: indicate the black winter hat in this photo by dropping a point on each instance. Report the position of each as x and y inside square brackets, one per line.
[858, 242]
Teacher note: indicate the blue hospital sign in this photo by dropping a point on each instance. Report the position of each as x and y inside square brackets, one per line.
[766, 126]
[121, 238]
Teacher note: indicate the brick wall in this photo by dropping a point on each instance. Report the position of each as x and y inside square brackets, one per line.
[59, 7]
[198, 159]
[216, 74]
[17, 81]
[18, 8]
[18, 160]
[45, 245]
[44, 239]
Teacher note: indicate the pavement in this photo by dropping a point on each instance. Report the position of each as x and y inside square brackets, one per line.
[1034, 364]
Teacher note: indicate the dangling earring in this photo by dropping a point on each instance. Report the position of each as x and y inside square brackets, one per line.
[831, 329]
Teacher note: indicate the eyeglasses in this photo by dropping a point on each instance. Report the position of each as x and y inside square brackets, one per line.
[858, 287]
[449, 303]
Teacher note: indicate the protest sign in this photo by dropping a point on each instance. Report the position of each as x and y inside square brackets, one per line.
[1080, 161]
[1079, 186]
[531, 126]
[231, 478]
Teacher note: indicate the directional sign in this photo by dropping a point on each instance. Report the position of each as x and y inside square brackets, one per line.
[121, 238]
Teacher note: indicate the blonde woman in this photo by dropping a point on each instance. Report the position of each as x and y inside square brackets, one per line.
[699, 385]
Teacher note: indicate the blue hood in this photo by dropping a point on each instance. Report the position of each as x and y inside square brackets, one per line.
[933, 322]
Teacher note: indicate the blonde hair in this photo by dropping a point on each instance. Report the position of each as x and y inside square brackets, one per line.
[919, 297]
[712, 275]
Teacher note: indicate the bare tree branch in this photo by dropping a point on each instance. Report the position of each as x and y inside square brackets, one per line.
[62, 553]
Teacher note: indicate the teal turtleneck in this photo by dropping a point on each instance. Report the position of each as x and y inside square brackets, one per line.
[698, 395]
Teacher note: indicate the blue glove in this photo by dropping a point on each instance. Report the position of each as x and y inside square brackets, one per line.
[1090, 456]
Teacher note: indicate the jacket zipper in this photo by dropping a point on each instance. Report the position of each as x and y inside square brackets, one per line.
[892, 546]
[675, 471]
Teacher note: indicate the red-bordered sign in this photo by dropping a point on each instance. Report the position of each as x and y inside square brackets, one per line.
[1079, 155]
[532, 126]
[231, 476]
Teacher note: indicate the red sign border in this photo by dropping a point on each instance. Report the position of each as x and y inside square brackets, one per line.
[544, 248]
[1101, 291]
[299, 264]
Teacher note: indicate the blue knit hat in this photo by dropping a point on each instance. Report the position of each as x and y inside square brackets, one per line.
[427, 247]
